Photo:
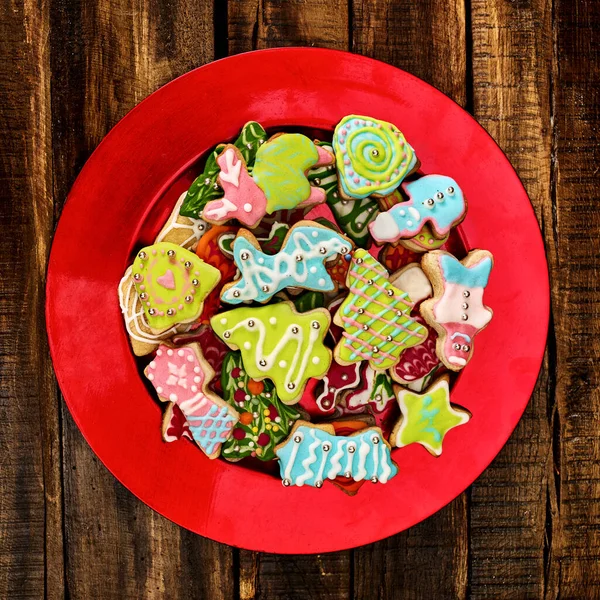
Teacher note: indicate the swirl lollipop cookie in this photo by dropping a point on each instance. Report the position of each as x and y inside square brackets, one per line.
[372, 157]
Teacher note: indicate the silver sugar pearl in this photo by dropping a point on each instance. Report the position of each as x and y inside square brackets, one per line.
[143, 255]
[143, 296]
[236, 293]
[466, 293]
[297, 439]
[398, 313]
[227, 335]
[359, 261]
[344, 250]
[360, 311]
[450, 190]
[352, 449]
[286, 483]
[390, 292]
[171, 312]
[189, 298]
[317, 181]
[295, 329]
[465, 348]
[464, 317]
[375, 152]
[319, 484]
[265, 288]
[375, 439]
[375, 350]
[369, 282]
[291, 385]
[195, 282]
[299, 258]
[456, 346]
[439, 195]
[465, 305]
[262, 362]
[170, 252]
[377, 399]
[250, 323]
[365, 327]
[388, 338]
[322, 250]
[326, 447]
[430, 201]
[374, 479]
[315, 325]
[137, 276]
[200, 226]
[347, 474]
[151, 312]
[245, 255]
[187, 264]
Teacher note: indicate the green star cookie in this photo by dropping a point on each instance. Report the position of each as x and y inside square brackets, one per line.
[426, 418]
[264, 420]
[279, 343]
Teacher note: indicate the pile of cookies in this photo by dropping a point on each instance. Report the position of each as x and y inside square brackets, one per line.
[303, 304]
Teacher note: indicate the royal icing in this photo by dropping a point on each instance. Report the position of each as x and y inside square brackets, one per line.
[309, 301]
[264, 420]
[413, 281]
[434, 199]
[424, 241]
[180, 375]
[181, 230]
[171, 283]
[270, 244]
[372, 157]
[205, 187]
[143, 339]
[299, 263]
[375, 391]
[375, 317]
[418, 361]
[175, 425]
[312, 454]
[426, 418]
[457, 311]
[352, 216]
[338, 379]
[278, 343]
[393, 258]
[345, 428]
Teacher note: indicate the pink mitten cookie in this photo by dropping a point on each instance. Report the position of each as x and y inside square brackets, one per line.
[456, 310]
[181, 376]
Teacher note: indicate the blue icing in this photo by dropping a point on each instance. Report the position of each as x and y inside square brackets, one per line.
[428, 416]
[263, 275]
[310, 456]
[406, 219]
[215, 421]
[474, 277]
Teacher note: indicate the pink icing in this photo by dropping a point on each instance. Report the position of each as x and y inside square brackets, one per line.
[449, 308]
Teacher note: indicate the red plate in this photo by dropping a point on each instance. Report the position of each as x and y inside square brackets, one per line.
[127, 189]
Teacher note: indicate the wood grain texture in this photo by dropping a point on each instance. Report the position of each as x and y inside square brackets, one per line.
[512, 503]
[257, 24]
[575, 267]
[392, 32]
[31, 558]
[106, 58]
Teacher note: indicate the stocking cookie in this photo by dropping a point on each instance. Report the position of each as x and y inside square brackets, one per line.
[278, 343]
[299, 263]
[264, 420]
[313, 453]
[278, 180]
[427, 418]
[172, 283]
[205, 187]
[434, 199]
[372, 157]
[180, 375]
[375, 317]
[456, 310]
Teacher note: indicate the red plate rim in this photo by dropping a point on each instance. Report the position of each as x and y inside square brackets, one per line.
[131, 170]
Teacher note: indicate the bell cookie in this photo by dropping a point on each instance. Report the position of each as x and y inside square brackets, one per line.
[456, 310]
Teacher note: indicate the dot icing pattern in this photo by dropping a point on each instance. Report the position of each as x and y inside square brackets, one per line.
[312, 455]
[375, 317]
[372, 156]
[299, 263]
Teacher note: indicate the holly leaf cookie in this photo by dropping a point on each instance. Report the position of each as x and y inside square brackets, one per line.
[427, 418]
[375, 317]
[278, 343]
[264, 420]
[171, 283]
[456, 310]
[299, 263]
[181, 376]
[313, 453]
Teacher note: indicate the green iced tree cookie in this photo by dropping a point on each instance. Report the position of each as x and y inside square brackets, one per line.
[264, 420]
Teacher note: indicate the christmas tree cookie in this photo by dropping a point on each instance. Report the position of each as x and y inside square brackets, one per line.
[278, 343]
[264, 420]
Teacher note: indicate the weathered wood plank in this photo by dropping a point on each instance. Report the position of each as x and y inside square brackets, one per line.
[410, 35]
[31, 553]
[106, 57]
[510, 524]
[576, 294]
[257, 24]
[264, 24]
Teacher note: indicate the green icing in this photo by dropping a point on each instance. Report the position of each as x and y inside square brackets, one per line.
[279, 343]
[205, 188]
[280, 167]
[270, 245]
[309, 301]
[264, 419]
[353, 216]
[426, 418]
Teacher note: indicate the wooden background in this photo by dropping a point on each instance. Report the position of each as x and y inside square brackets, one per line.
[528, 70]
